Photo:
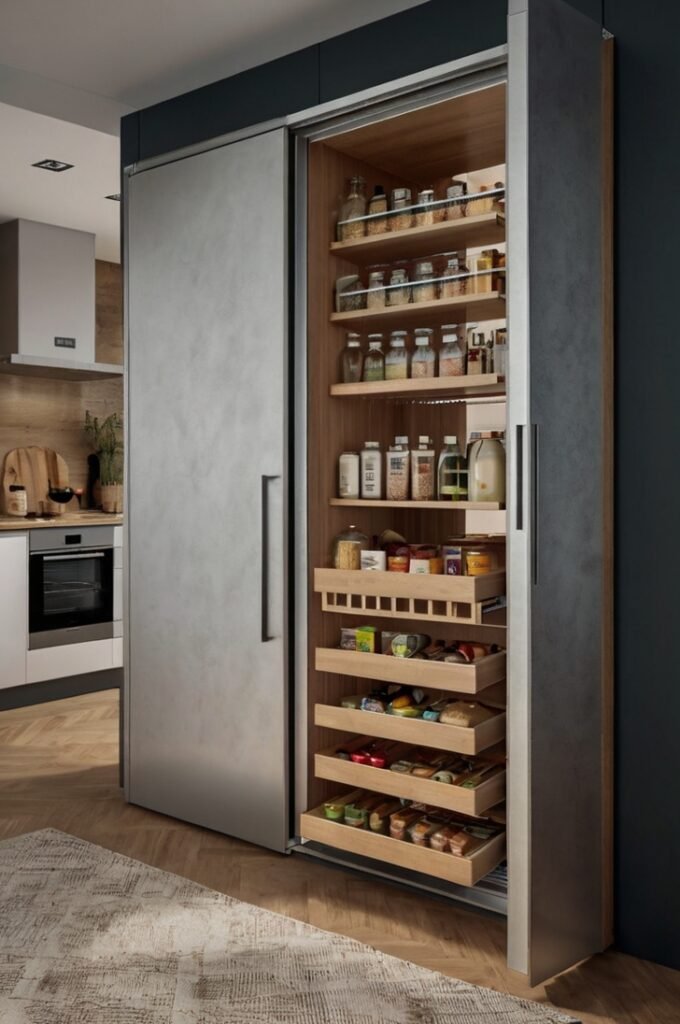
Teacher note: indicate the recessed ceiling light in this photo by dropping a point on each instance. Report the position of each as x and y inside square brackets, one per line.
[115, 197]
[52, 165]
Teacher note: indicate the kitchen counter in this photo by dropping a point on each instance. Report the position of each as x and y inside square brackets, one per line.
[69, 519]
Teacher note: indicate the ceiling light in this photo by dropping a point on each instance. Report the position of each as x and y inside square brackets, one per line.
[115, 197]
[52, 165]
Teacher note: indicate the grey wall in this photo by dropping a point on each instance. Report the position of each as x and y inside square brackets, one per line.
[647, 369]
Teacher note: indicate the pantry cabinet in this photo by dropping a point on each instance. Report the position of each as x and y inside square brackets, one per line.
[13, 608]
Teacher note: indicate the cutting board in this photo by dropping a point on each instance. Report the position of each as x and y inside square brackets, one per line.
[35, 468]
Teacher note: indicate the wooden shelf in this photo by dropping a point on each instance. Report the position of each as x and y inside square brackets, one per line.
[440, 506]
[474, 386]
[460, 309]
[447, 236]
[416, 731]
[430, 675]
[426, 598]
[460, 870]
[409, 787]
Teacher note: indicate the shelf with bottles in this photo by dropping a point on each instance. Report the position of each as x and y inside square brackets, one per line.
[463, 233]
[481, 385]
[439, 506]
[482, 306]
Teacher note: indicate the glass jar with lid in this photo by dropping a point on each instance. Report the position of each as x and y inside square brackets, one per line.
[425, 214]
[424, 359]
[401, 216]
[451, 355]
[354, 206]
[347, 548]
[349, 294]
[399, 293]
[377, 209]
[374, 363]
[422, 470]
[486, 466]
[397, 359]
[452, 472]
[455, 285]
[376, 288]
[426, 290]
[456, 207]
[352, 359]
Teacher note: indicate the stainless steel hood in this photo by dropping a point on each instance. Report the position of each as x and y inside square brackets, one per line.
[47, 303]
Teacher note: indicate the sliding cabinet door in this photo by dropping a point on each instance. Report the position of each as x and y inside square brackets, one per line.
[206, 438]
[559, 479]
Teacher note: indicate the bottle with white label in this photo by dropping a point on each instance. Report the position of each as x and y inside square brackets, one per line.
[371, 471]
[397, 470]
[422, 470]
[348, 475]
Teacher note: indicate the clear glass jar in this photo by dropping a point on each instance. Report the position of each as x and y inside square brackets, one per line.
[374, 363]
[371, 471]
[500, 352]
[352, 359]
[452, 472]
[347, 548]
[424, 359]
[400, 290]
[425, 212]
[376, 290]
[377, 204]
[455, 285]
[475, 364]
[422, 470]
[353, 206]
[397, 470]
[456, 208]
[401, 199]
[451, 355]
[397, 360]
[483, 204]
[484, 282]
[427, 290]
[349, 294]
[348, 475]
[486, 462]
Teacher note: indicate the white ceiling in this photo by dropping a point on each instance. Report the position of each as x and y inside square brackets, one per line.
[73, 198]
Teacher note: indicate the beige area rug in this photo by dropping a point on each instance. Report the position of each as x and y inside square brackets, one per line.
[91, 937]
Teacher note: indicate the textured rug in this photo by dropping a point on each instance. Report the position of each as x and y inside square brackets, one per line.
[91, 937]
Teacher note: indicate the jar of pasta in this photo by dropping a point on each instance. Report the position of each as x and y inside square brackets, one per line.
[455, 285]
[396, 360]
[424, 359]
[425, 214]
[375, 298]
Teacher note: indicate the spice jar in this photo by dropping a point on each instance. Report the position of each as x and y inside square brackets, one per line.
[427, 291]
[425, 211]
[371, 470]
[486, 466]
[402, 215]
[451, 355]
[397, 470]
[376, 290]
[347, 548]
[354, 206]
[396, 360]
[455, 285]
[399, 293]
[349, 294]
[377, 208]
[348, 475]
[456, 207]
[352, 359]
[424, 359]
[422, 470]
[374, 363]
[17, 503]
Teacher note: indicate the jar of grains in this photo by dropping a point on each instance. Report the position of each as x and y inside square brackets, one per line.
[422, 470]
[376, 290]
[352, 359]
[455, 285]
[377, 209]
[400, 291]
[396, 360]
[402, 214]
[354, 206]
[374, 363]
[425, 211]
[397, 470]
[424, 359]
[427, 290]
[349, 294]
[451, 355]
[456, 208]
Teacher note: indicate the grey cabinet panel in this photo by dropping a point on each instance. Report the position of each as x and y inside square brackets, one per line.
[206, 422]
[555, 324]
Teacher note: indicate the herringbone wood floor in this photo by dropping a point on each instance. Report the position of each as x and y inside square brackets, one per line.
[58, 768]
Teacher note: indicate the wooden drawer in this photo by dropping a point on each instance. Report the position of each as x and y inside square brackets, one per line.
[430, 675]
[460, 870]
[415, 731]
[410, 787]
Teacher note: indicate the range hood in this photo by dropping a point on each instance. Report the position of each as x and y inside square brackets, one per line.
[47, 303]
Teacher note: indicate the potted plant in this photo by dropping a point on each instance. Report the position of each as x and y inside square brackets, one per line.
[107, 440]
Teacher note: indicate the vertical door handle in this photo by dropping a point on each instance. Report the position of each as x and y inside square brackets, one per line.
[534, 488]
[519, 477]
[266, 480]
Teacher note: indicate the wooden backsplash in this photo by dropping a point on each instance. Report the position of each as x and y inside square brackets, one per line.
[51, 412]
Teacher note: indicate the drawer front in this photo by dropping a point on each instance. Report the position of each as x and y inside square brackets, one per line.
[69, 660]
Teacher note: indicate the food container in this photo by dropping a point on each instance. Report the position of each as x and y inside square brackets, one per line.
[349, 294]
[376, 290]
[386, 638]
[455, 285]
[360, 756]
[456, 208]
[348, 475]
[405, 645]
[371, 470]
[348, 639]
[486, 467]
[424, 287]
[354, 206]
[377, 204]
[377, 759]
[477, 562]
[424, 359]
[425, 214]
[366, 636]
[373, 561]
[401, 217]
[397, 360]
[374, 363]
[347, 548]
[17, 504]
[453, 560]
[423, 473]
[334, 811]
[399, 293]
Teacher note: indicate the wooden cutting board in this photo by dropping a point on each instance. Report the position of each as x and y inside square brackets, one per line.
[35, 468]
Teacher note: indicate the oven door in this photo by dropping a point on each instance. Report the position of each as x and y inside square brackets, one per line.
[70, 597]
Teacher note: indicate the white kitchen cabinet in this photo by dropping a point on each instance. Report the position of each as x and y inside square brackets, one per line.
[13, 608]
[70, 660]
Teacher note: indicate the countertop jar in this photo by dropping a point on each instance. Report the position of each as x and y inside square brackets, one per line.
[17, 503]
[377, 205]
[374, 363]
[424, 359]
[399, 293]
[353, 206]
[396, 360]
[424, 288]
[401, 216]
[486, 466]
[376, 290]
[451, 355]
[352, 359]
[347, 548]
[425, 214]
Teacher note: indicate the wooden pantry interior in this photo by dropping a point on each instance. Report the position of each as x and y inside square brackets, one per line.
[545, 748]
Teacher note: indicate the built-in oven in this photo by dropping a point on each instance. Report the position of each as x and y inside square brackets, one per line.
[71, 585]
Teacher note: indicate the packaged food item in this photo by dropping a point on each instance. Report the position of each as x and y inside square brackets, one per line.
[349, 294]
[373, 561]
[469, 838]
[433, 711]
[333, 810]
[405, 645]
[425, 214]
[377, 209]
[477, 562]
[374, 363]
[375, 299]
[453, 560]
[420, 831]
[399, 293]
[347, 548]
[465, 714]
[366, 639]
[500, 352]
[400, 821]
[348, 475]
[352, 360]
[481, 204]
[402, 216]
[353, 703]
[407, 711]
[354, 206]
[371, 470]
[377, 758]
[348, 639]
[17, 501]
[482, 281]
[441, 838]
[397, 463]
[401, 767]
[397, 358]
[422, 471]
[486, 462]
[452, 472]
[451, 355]
[424, 288]
[455, 284]
[357, 813]
[424, 359]
[456, 208]
[360, 756]
[376, 704]
[379, 818]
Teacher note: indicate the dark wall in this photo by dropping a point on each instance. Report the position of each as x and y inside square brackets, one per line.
[647, 368]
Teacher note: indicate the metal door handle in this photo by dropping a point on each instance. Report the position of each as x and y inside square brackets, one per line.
[265, 637]
[519, 477]
[73, 557]
[534, 486]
